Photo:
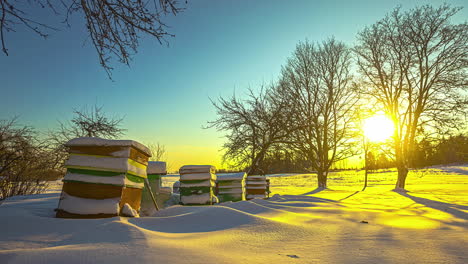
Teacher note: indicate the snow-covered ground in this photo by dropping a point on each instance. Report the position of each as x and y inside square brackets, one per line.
[299, 224]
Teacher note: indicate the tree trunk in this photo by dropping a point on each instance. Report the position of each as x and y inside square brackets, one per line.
[366, 168]
[365, 179]
[402, 173]
[252, 170]
[255, 170]
[401, 164]
[257, 160]
[322, 179]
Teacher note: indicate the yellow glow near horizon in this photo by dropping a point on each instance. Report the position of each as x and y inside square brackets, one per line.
[378, 128]
[180, 155]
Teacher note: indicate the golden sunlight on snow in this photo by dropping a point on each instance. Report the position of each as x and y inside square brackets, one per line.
[434, 197]
[298, 224]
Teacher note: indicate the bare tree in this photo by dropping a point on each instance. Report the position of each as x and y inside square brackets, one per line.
[253, 125]
[90, 123]
[94, 123]
[85, 123]
[114, 26]
[317, 84]
[414, 64]
[158, 151]
[25, 164]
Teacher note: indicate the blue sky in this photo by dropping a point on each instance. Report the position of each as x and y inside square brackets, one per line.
[220, 47]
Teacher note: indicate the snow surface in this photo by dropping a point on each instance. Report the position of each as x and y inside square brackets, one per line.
[197, 169]
[299, 224]
[231, 176]
[94, 141]
[195, 198]
[256, 196]
[77, 205]
[129, 211]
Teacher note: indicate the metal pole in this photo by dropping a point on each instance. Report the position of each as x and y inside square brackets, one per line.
[151, 194]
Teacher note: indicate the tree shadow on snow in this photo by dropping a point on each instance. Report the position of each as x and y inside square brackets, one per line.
[317, 190]
[450, 208]
[193, 219]
[284, 203]
[212, 218]
[349, 196]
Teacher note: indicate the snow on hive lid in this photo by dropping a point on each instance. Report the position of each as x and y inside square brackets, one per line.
[197, 169]
[231, 176]
[156, 167]
[257, 177]
[95, 141]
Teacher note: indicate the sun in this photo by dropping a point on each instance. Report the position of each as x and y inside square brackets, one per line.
[378, 128]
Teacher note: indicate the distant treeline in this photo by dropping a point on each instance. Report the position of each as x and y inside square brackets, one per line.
[448, 150]
[453, 149]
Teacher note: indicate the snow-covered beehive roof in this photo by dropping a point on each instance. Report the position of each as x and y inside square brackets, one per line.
[231, 176]
[156, 167]
[95, 141]
[187, 169]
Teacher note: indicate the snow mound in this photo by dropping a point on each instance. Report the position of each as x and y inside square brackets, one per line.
[127, 210]
[83, 206]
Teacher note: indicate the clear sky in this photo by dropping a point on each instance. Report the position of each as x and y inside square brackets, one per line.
[220, 47]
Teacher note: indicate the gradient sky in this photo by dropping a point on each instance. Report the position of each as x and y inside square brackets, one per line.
[220, 47]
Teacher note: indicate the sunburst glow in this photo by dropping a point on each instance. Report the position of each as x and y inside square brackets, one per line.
[378, 128]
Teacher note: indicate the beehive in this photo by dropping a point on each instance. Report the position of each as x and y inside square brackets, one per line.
[104, 178]
[230, 187]
[256, 187]
[197, 184]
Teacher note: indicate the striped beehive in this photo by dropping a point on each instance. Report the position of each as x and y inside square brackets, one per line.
[154, 171]
[256, 186]
[104, 178]
[231, 187]
[197, 184]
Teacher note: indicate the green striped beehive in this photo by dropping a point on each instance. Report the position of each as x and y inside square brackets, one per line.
[197, 184]
[231, 187]
[104, 178]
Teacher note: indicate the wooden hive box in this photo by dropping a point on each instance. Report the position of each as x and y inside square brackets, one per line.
[197, 185]
[230, 187]
[256, 187]
[102, 177]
